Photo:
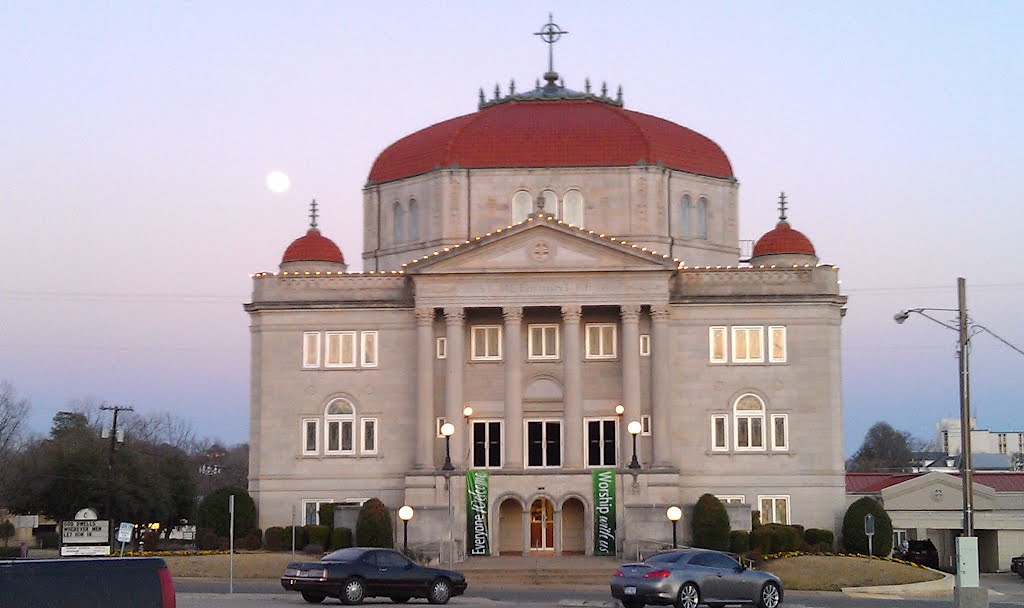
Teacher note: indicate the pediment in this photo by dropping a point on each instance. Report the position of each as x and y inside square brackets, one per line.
[934, 492]
[542, 247]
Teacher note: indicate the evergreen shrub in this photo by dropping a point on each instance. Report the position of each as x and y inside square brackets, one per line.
[341, 538]
[317, 535]
[854, 538]
[213, 512]
[710, 524]
[820, 540]
[300, 538]
[274, 539]
[373, 525]
[739, 541]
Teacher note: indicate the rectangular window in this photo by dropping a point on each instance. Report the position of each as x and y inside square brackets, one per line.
[486, 343]
[310, 437]
[774, 509]
[340, 349]
[340, 437]
[311, 349]
[777, 344]
[442, 348]
[369, 436]
[748, 344]
[645, 345]
[731, 499]
[1002, 443]
[750, 432]
[600, 341]
[780, 432]
[645, 425]
[487, 443]
[899, 537]
[311, 511]
[601, 434]
[716, 345]
[543, 342]
[438, 423]
[543, 443]
[369, 348]
[720, 433]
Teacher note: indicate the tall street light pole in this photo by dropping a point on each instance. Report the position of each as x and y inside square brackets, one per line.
[448, 429]
[110, 460]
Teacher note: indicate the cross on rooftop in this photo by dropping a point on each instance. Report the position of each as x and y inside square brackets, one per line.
[312, 214]
[782, 206]
[550, 33]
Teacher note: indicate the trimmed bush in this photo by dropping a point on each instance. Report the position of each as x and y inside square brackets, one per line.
[755, 520]
[820, 540]
[6, 531]
[710, 524]
[761, 540]
[739, 541]
[854, 538]
[10, 552]
[341, 538]
[317, 535]
[313, 549]
[213, 512]
[325, 515]
[783, 538]
[207, 539]
[274, 538]
[151, 540]
[251, 541]
[373, 525]
[300, 538]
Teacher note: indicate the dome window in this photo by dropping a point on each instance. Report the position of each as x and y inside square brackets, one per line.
[547, 203]
[702, 218]
[414, 220]
[685, 207]
[572, 208]
[522, 205]
[398, 227]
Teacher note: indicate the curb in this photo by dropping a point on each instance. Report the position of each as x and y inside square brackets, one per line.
[942, 586]
[588, 604]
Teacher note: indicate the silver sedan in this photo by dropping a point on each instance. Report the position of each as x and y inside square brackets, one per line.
[688, 578]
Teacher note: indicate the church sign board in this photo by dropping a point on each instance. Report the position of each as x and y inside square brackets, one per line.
[84, 537]
[477, 529]
[604, 512]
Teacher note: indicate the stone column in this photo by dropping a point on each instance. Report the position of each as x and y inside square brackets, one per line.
[513, 341]
[456, 349]
[572, 364]
[526, 531]
[630, 358]
[661, 363]
[425, 432]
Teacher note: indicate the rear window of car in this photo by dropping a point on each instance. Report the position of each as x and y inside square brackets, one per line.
[664, 558]
[344, 555]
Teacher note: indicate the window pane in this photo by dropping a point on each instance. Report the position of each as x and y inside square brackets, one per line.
[740, 344]
[608, 340]
[572, 205]
[550, 335]
[756, 439]
[479, 348]
[332, 436]
[494, 439]
[348, 350]
[778, 339]
[535, 444]
[536, 342]
[593, 443]
[720, 432]
[549, 203]
[593, 338]
[554, 444]
[756, 339]
[781, 510]
[684, 216]
[346, 436]
[310, 436]
[369, 435]
[522, 205]
[766, 511]
[369, 348]
[718, 344]
[332, 354]
[311, 513]
[311, 350]
[609, 442]
[780, 432]
[742, 432]
[479, 444]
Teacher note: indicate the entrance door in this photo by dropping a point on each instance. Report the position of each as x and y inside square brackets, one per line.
[542, 525]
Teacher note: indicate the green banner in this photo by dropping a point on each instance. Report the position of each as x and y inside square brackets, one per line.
[604, 512]
[477, 528]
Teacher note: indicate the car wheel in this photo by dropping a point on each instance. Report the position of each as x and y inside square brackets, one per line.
[440, 591]
[689, 596]
[770, 596]
[353, 591]
[313, 598]
[399, 600]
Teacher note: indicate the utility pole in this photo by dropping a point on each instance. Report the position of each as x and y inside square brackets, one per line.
[110, 459]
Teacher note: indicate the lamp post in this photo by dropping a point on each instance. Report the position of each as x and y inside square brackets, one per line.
[405, 514]
[634, 429]
[674, 514]
[447, 430]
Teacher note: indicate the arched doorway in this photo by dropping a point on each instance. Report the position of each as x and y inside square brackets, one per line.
[542, 525]
[510, 527]
[573, 527]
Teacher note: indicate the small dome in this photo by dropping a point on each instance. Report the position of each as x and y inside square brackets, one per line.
[783, 240]
[313, 247]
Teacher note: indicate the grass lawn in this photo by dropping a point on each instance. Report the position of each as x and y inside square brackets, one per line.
[247, 565]
[832, 573]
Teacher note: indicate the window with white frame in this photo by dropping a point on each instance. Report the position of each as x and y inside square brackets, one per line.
[731, 499]
[369, 348]
[899, 537]
[522, 206]
[487, 441]
[311, 349]
[720, 433]
[780, 432]
[486, 343]
[340, 350]
[645, 425]
[572, 208]
[747, 344]
[774, 509]
[438, 423]
[340, 422]
[548, 203]
[543, 341]
[442, 348]
[601, 441]
[600, 341]
[310, 436]
[311, 510]
[749, 417]
[716, 345]
[777, 344]
[543, 443]
[368, 436]
[645, 345]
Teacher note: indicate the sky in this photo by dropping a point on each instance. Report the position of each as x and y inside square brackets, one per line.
[135, 139]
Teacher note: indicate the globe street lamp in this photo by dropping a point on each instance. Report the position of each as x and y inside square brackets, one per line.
[674, 514]
[620, 409]
[634, 429]
[447, 429]
[405, 514]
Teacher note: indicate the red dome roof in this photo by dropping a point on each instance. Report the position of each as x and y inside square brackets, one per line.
[783, 239]
[313, 247]
[563, 133]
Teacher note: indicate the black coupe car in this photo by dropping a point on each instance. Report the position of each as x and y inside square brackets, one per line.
[357, 573]
[1017, 565]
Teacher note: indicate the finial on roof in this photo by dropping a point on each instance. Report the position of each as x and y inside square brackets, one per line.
[482, 100]
[604, 89]
[618, 96]
[538, 83]
[550, 32]
[782, 207]
[312, 214]
[586, 85]
[512, 87]
[497, 91]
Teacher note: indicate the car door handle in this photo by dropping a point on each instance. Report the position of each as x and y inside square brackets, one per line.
[383, 569]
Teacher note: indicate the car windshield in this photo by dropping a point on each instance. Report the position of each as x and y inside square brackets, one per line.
[344, 555]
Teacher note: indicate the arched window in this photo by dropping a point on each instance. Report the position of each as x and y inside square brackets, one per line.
[572, 208]
[685, 208]
[414, 220]
[339, 427]
[548, 203]
[702, 218]
[748, 412]
[522, 205]
[398, 227]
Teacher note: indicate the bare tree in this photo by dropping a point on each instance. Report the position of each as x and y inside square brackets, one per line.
[13, 411]
[884, 449]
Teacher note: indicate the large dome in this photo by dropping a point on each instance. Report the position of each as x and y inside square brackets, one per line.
[551, 133]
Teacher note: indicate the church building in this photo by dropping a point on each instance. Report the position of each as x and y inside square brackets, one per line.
[554, 339]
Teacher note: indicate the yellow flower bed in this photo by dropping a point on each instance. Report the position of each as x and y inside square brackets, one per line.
[894, 560]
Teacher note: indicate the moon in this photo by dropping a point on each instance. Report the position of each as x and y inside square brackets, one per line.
[278, 182]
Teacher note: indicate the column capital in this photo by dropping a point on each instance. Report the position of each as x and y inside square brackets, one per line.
[454, 315]
[424, 316]
[661, 312]
[630, 312]
[512, 314]
[572, 314]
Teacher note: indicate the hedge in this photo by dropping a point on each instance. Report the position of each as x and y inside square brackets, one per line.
[820, 540]
[325, 514]
[317, 535]
[275, 539]
[739, 541]
[341, 538]
[854, 538]
[373, 525]
[710, 524]
[775, 538]
[300, 537]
